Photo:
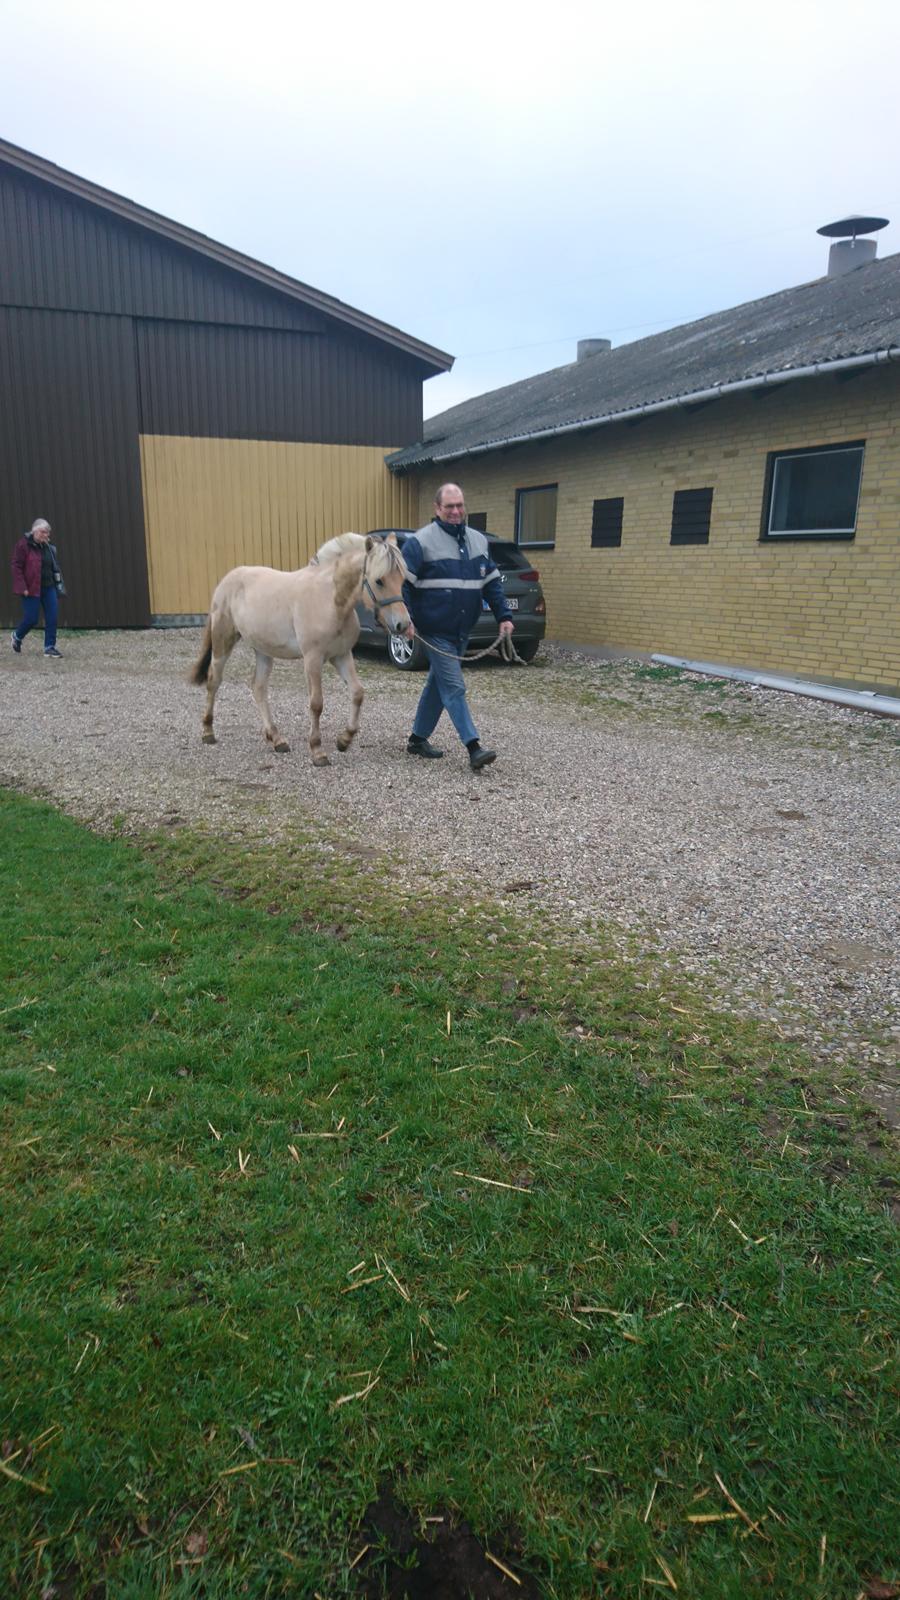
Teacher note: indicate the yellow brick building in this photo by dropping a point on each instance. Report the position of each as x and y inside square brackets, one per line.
[749, 476]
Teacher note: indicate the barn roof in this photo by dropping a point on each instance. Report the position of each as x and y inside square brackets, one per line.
[129, 211]
[830, 324]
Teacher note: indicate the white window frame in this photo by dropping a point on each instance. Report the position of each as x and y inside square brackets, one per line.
[776, 458]
[535, 544]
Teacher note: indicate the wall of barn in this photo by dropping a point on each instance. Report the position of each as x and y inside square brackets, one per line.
[823, 609]
[69, 452]
[153, 399]
[214, 504]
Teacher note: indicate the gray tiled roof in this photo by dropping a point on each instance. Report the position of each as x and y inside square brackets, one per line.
[827, 320]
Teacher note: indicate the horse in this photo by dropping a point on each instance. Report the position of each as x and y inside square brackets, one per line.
[310, 613]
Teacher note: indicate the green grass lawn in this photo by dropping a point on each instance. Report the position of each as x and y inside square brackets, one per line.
[299, 1202]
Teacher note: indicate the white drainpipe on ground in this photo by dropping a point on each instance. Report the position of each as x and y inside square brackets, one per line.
[883, 705]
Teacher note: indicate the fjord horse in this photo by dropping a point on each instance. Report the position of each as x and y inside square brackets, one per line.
[308, 614]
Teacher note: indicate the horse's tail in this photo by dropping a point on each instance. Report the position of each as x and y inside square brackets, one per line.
[200, 670]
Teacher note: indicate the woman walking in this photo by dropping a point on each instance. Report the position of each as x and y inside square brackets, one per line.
[37, 578]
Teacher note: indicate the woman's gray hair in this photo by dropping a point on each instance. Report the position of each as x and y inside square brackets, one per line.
[39, 524]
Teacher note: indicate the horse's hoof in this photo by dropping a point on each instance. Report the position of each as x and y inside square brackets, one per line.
[345, 741]
[320, 759]
[209, 737]
[281, 746]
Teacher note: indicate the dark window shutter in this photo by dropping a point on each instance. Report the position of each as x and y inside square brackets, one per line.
[606, 526]
[691, 511]
[477, 519]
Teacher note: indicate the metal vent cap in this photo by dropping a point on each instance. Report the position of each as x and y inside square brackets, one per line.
[849, 227]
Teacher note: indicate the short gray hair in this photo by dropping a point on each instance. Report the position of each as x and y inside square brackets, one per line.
[39, 524]
[439, 497]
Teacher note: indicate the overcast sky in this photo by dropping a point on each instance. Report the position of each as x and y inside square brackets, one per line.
[497, 180]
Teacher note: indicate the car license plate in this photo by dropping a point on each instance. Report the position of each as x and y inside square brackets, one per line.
[511, 601]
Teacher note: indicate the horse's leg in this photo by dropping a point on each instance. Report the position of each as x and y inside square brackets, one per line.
[224, 638]
[312, 665]
[346, 666]
[259, 685]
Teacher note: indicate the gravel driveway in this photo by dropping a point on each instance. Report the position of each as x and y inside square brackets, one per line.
[745, 835]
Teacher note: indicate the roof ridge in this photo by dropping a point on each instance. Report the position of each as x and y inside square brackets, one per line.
[850, 319]
[179, 233]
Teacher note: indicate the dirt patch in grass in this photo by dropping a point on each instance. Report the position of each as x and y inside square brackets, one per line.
[436, 1559]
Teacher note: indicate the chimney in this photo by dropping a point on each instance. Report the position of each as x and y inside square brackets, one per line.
[850, 251]
[592, 347]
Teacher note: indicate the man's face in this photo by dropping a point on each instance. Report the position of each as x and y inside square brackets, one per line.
[451, 507]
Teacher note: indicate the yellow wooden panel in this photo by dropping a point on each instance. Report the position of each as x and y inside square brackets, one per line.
[214, 504]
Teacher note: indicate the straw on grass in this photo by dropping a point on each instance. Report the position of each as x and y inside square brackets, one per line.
[29, 1482]
[493, 1182]
[667, 1571]
[359, 1395]
[507, 1572]
[753, 1526]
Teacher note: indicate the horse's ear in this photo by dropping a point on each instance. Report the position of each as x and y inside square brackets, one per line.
[369, 541]
[392, 539]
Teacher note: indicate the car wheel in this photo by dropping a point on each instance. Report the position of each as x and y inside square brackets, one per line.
[528, 649]
[408, 655]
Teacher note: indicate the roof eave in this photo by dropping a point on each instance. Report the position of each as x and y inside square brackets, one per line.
[177, 233]
[673, 403]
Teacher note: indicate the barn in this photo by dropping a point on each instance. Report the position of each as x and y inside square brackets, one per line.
[174, 408]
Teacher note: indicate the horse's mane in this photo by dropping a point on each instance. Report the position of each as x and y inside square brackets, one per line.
[342, 544]
[382, 558]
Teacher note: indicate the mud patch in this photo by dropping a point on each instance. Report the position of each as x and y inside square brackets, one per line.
[436, 1559]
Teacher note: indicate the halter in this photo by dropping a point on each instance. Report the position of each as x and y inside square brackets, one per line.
[379, 605]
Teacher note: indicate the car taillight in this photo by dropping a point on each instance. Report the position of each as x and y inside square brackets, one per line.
[530, 576]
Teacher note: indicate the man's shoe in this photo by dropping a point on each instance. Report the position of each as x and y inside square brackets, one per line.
[421, 747]
[53, 652]
[481, 758]
[16, 643]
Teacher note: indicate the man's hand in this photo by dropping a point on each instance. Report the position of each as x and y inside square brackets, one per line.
[506, 627]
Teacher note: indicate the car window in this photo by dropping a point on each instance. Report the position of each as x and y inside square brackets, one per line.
[508, 557]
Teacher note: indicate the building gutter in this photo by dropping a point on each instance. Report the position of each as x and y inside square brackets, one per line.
[883, 705]
[699, 397]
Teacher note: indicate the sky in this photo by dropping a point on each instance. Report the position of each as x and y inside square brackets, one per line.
[497, 180]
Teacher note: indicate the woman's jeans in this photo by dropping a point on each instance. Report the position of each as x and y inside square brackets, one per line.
[444, 691]
[31, 607]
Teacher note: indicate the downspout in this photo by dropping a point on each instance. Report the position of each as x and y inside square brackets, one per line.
[883, 705]
[698, 397]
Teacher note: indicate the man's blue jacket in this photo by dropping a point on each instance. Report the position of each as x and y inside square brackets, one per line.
[449, 574]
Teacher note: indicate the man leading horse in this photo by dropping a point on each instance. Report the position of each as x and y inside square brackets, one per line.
[450, 571]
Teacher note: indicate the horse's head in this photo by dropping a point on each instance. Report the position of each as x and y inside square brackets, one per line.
[384, 573]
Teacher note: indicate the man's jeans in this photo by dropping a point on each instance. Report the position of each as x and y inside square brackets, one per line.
[444, 691]
[31, 607]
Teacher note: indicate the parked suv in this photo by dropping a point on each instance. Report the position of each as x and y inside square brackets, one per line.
[521, 585]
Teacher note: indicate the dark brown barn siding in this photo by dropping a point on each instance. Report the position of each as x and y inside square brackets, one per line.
[69, 452]
[61, 253]
[110, 330]
[202, 381]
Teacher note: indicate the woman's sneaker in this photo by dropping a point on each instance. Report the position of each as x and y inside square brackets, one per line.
[16, 643]
[53, 652]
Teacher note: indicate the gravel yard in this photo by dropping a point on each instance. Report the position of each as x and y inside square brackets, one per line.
[746, 836]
